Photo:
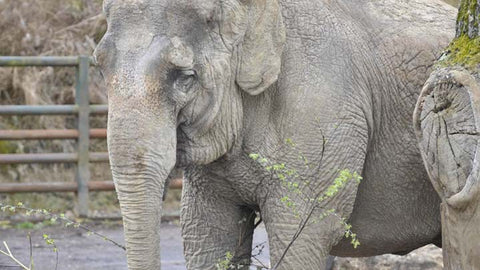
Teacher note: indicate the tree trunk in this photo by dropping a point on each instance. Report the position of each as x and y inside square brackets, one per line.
[447, 123]
[468, 18]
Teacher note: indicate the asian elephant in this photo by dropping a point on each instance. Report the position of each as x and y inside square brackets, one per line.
[315, 85]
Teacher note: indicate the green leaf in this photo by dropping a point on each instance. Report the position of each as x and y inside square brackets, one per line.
[356, 243]
[290, 142]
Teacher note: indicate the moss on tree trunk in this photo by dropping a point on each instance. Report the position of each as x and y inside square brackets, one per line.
[468, 18]
[464, 50]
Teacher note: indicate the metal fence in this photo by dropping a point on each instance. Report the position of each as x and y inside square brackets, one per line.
[82, 109]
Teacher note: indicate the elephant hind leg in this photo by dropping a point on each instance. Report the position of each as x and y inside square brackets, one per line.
[309, 251]
[303, 239]
[304, 224]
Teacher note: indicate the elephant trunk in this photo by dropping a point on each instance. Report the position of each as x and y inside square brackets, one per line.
[142, 154]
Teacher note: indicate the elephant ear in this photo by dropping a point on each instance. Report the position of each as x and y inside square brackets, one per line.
[262, 47]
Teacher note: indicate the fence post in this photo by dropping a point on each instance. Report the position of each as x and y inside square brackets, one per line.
[82, 175]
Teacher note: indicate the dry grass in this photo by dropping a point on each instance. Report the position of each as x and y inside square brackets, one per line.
[49, 27]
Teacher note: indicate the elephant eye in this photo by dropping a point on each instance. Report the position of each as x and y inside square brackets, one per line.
[185, 79]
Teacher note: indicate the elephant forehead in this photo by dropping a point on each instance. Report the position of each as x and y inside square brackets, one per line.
[140, 18]
[204, 8]
[201, 7]
[134, 40]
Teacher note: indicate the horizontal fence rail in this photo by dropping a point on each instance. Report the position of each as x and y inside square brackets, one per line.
[67, 186]
[49, 158]
[49, 134]
[32, 61]
[49, 109]
[82, 109]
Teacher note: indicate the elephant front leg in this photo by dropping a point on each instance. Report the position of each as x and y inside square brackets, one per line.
[215, 230]
[302, 242]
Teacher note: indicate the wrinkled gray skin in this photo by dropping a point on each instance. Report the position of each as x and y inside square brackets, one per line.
[201, 84]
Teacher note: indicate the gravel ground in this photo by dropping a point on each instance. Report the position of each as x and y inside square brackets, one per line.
[77, 250]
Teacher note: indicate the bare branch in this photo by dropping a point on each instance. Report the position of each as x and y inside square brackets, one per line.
[10, 255]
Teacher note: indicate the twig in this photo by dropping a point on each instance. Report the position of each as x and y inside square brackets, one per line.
[31, 250]
[51, 242]
[102, 236]
[62, 217]
[260, 248]
[56, 258]
[10, 255]
[295, 237]
[79, 24]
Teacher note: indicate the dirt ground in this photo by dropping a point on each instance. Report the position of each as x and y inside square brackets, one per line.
[77, 251]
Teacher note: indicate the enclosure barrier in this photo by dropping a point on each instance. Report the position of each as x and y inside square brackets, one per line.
[66, 187]
[82, 109]
[46, 134]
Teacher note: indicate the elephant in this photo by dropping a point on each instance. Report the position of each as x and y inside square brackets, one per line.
[222, 88]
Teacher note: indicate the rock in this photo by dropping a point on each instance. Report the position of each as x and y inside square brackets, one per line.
[425, 258]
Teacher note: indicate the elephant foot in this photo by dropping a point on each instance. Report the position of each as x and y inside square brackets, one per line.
[447, 125]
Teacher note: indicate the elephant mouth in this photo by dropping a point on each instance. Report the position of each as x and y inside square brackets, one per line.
[184, 146]
[183, 139]
[194, 150]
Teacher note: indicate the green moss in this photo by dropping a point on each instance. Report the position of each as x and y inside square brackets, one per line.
[466, 9]
[468, 18]
[462, 51]
[7, 147]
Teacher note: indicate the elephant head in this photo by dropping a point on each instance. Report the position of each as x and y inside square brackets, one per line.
[176, 71]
